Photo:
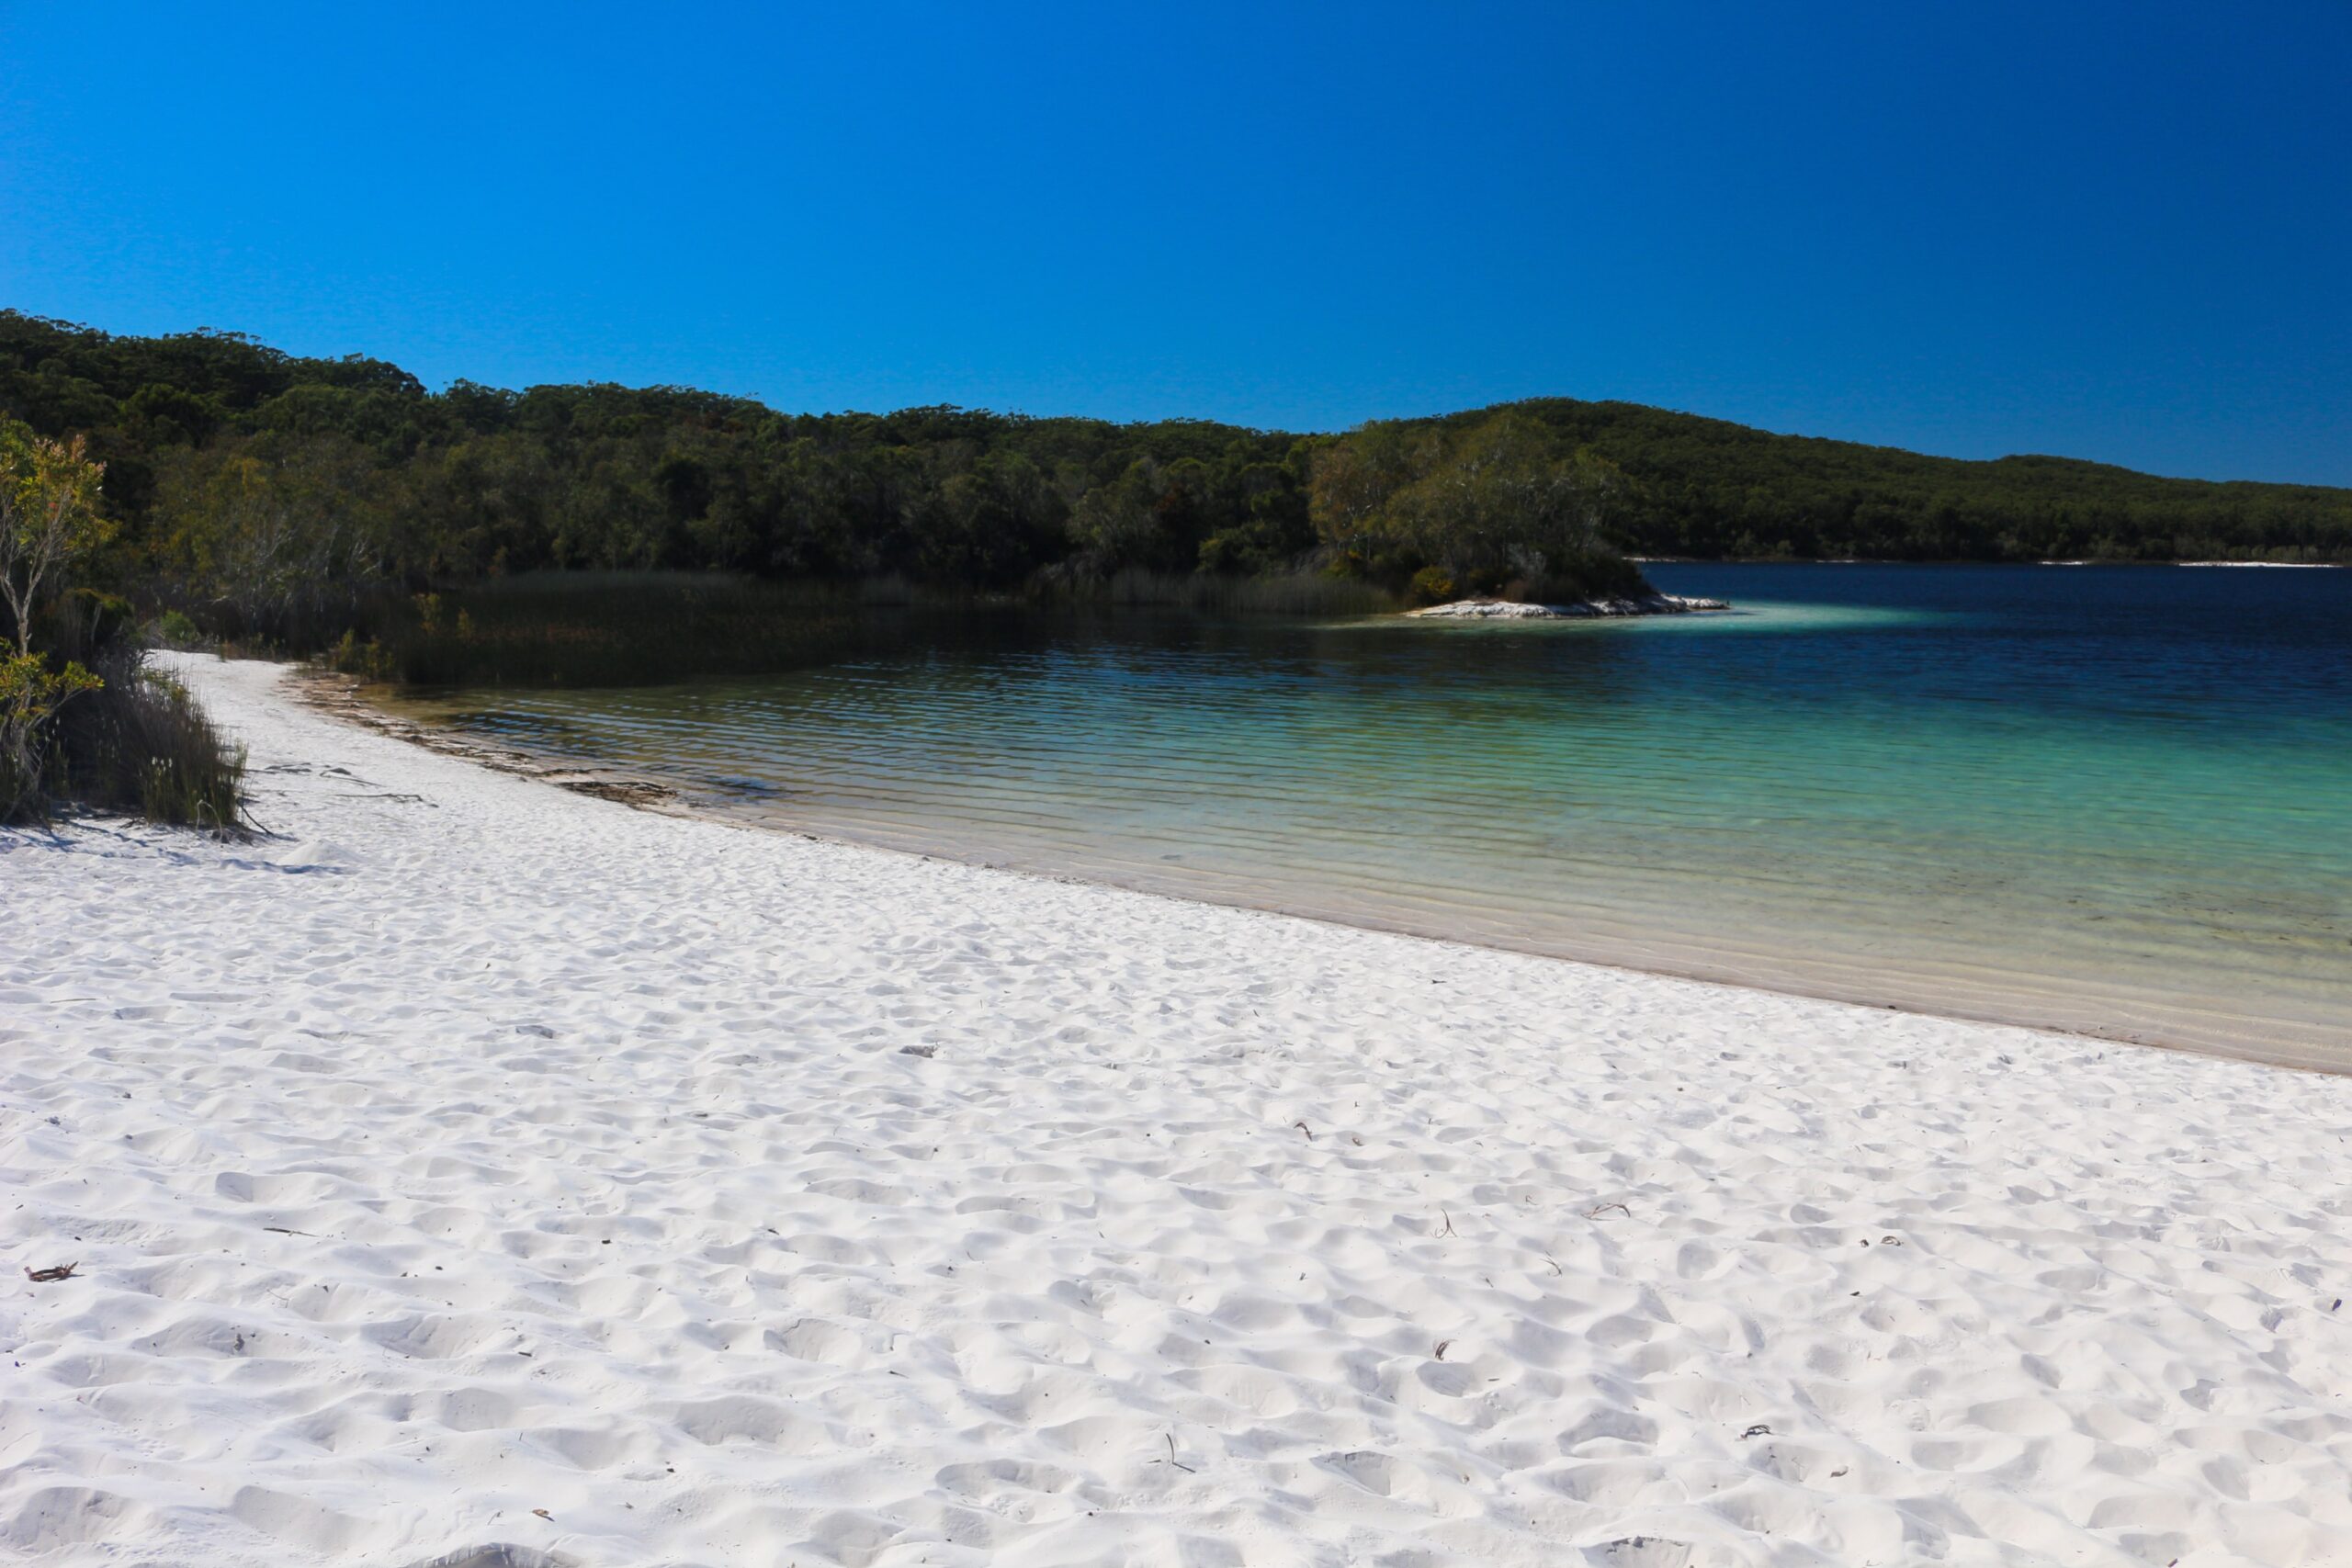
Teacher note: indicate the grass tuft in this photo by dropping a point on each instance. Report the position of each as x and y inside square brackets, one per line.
[141, 745]
[122, 737]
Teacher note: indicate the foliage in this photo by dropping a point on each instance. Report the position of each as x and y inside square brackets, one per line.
[49, 517]
[587, 629]
[1706, 488]
[175, 629]
[1494, 506]
[274, 535]
[30, 695]
[139, 744]
[368, 660]
[1286, 594]
[1433, 585]
[275, 498]
[83, 721]
[599, 628]
[162, 745]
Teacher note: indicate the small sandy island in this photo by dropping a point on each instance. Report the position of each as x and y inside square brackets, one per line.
[1577, 610]
[481, 1173]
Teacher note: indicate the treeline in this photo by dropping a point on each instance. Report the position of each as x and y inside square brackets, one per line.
[277, 483]
[1707, 488]
[268, 490]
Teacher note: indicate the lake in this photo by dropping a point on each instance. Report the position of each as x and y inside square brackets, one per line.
[2114, 800]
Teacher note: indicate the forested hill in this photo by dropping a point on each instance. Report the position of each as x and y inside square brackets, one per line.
[1709, 488]
[247, 472]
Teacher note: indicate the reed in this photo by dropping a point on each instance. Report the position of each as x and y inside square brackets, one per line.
[655, 628]
[167, 752]
[134, 743]
[1291, 594]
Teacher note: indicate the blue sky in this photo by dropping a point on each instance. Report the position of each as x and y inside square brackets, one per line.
[2121, 233]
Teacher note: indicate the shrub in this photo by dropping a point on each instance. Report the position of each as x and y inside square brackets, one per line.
[139, 744]
[1431, 585]
[174, 629]
[368, 660]
[187, 774]
[95, 728]
[30, 696]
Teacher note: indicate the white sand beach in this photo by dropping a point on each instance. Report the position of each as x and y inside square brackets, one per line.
[482, 1174]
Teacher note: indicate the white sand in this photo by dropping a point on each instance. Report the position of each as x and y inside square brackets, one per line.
[481, 1150]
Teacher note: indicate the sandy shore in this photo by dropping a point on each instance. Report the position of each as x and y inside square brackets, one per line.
[485, 1174]
[1576, 610]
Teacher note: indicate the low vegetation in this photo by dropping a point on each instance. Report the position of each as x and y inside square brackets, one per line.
[83, 720]
[136, 743]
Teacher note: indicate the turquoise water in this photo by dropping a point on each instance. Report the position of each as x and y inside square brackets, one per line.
[2112, 800]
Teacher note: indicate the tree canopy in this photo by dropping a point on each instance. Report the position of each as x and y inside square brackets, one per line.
[275, 485]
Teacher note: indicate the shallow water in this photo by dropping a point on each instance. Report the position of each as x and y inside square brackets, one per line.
[2109, 799]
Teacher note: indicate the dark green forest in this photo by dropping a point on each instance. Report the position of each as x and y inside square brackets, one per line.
[268, 492]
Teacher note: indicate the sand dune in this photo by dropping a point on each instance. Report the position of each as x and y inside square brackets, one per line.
[480, 1174]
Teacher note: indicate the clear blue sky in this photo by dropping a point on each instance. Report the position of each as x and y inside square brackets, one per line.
[2116, 231]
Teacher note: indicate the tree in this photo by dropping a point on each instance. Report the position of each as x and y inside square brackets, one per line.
[49, 497]
[1114, 524]
[474, 480]
[1355, 477]
[30, 694]
[1492, 503]
[277, 531]
[1502, 505]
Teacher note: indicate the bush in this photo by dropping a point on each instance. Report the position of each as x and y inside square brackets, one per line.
[1564, 580]
[30, 697]
[368, 660]
[187, 774]
[86, 723]
[1431, 585]
[174, 629]
[139, 744]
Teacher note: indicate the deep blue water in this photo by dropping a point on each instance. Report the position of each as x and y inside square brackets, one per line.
[2231, 646]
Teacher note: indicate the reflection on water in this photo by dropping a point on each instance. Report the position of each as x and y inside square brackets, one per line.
[2116, 800]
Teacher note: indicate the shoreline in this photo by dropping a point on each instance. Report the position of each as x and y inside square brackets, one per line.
[482, 1173]
[1490, 609]
[2010, 999]
[1963, 561]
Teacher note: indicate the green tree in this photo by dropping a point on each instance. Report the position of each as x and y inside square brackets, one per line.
[1493, 504]
[1501, 505]
[49, 516]
[475, 480]
[1113, 525]
[279, 531]
[1357, 475]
